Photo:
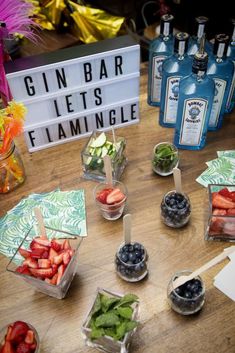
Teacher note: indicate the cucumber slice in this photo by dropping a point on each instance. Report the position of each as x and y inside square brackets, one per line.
[87, 160]
[104, 151]
[98, 151]
[99, 141]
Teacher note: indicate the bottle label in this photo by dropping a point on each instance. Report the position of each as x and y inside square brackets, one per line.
[231, 92]
[220, 86]
[194, 115]
[171, 99]
[157, 77]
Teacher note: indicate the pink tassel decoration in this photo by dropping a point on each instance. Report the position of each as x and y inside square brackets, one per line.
[14, 18]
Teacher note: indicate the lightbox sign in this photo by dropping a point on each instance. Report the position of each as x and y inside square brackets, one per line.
[71, 92]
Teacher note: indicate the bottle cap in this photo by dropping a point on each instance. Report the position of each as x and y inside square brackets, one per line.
[201, 19]
[181, 43]
[201, 22]
[200, 62]
[221, 45]
[200, 59]
[167, 24]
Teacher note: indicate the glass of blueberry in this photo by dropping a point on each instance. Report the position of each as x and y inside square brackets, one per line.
[131, 262]
[188, 298]
[175, 209]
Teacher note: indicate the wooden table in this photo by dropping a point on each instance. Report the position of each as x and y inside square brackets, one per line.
[161, 330]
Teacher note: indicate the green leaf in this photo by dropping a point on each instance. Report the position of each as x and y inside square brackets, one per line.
[127, 299]
[97, 333]
[131, 325]
[107, 320]
[110, 332]
[121, 331]
[125, 312]
[107, 302]
[97, 305]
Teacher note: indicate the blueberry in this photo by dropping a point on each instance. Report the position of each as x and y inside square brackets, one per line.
[131, 248]
[132, 257]
[124, 257]
[125, 248]
[187, 295]
[137, 246]
[138, 254]
[172, 202]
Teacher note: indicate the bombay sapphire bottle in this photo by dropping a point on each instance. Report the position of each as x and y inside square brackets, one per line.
[160, 48]
[231, 55]
[196, 93]
[174, 68]
[221, 70]
[194, 41]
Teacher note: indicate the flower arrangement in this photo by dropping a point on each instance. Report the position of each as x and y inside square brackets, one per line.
[11, 125]
[14, 19]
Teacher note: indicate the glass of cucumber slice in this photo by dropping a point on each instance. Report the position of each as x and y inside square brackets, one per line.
[99, 145]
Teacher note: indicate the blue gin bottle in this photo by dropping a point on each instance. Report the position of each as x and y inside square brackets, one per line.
[231, 55]
[160, 48]
[221, 69]
[196, 94]
[194, 41]
[174, 68]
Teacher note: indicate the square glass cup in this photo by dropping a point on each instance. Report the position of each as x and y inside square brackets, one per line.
[58, 291]
[107, 343]
[93, 165]
[219, 222]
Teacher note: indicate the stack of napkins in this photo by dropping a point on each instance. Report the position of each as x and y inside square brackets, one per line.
[224, 280]
[61, 210]
[220, 170]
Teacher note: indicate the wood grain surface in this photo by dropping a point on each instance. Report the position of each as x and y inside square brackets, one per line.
[58, 322]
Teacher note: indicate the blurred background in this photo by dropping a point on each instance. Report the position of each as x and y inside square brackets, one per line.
[70, 22]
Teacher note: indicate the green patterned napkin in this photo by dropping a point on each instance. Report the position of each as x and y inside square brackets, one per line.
[62, 210]
[220, 170]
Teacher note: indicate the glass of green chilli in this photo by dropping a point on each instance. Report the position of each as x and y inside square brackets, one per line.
[165, 158]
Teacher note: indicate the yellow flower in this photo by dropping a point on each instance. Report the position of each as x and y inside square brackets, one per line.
[16, 110]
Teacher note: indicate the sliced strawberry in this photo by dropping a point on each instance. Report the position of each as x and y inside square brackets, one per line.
[66, 257]
[25, 253]
[225, 192]
[231, 212]
[8, 334]
[55, 245]
[48, 280]
[219, 201]
[19, 331]
[7, 348]
[232, 196]
[66, 245]
[38, 253]
[54, 279]
[35, 245]
[30, 262]
[24, 270]
[219, 212]
[58, 259]
[115, 196]
[29, 337]
[229, 228]
[52, 254]
[71, 252]
[102, 195]
[61, 270]
[44, 263]
[33, 347]
[23, 347]
[44, 272]
[43, 242]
